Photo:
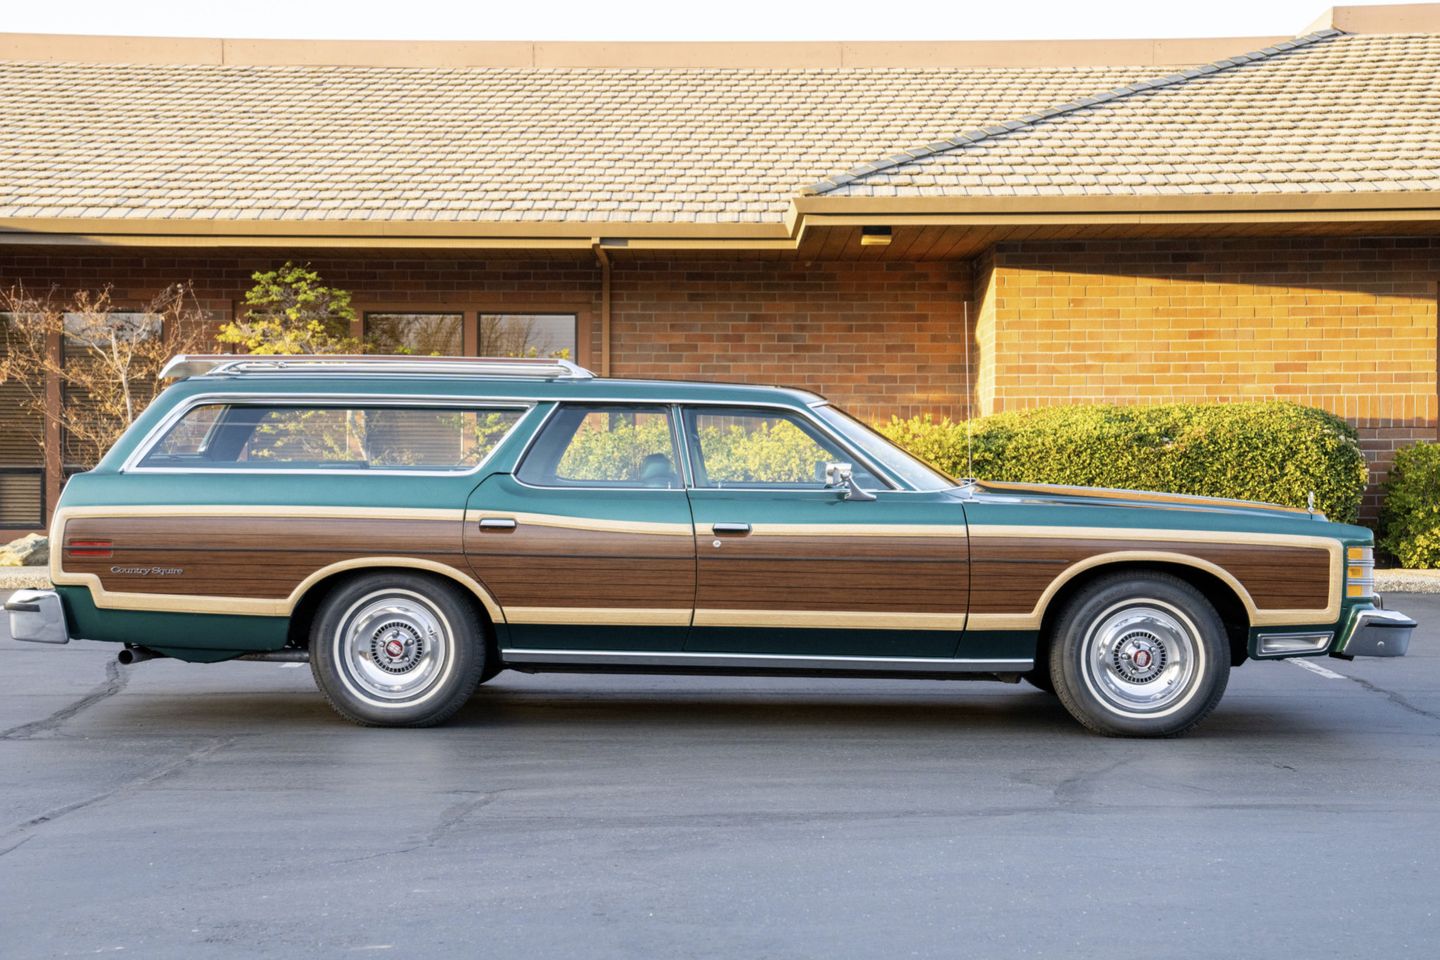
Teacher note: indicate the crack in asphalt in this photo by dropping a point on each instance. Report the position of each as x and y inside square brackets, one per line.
[1076, 789]
[114, 682]
[1394, 698]
[159, 773]
[451, 817]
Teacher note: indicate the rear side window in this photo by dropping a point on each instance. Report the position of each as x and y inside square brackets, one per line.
[233, 436]
[604, 446]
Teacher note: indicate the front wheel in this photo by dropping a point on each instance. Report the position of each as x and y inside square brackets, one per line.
[397, 650]
[1140, 656]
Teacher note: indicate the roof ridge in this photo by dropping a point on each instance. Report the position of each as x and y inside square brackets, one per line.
[969, 137]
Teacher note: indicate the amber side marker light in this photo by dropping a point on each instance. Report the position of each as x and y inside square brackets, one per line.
[1359, 572]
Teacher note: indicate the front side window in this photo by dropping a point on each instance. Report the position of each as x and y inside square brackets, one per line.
[763, 449]
[919, 475]
[234, 436]
[620, 445]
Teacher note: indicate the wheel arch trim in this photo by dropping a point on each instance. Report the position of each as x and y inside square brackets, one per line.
[1035, 618]
[476, 589]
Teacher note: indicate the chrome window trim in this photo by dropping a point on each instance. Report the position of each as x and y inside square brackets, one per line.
[675, 438]
[159, 431]
[688, 475]
[678, 412]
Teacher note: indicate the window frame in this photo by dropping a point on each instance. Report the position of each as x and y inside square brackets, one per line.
[472, 310]
[818, 426]
[677, 444]
[423, 311]
[42, 500]
[152, 439]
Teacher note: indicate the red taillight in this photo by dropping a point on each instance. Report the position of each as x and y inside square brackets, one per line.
[89, 548]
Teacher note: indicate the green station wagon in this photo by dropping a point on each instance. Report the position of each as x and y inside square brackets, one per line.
[413, 526]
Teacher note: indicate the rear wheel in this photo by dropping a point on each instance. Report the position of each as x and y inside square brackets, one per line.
[1140, 656]
[397, 649]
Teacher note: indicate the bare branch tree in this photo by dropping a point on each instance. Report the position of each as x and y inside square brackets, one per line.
[108, 362]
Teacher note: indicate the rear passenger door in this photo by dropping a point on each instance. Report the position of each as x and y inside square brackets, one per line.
[587, 545]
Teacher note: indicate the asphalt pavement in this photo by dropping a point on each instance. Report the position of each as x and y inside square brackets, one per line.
[175, 810]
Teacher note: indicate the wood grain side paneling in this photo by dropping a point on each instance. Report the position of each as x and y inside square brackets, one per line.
[1009, 575]
[247, 557]
[896, 574]
[547, 566]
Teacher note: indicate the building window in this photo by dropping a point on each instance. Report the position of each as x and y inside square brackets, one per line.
[23, 427]
[457, 333]
[88, 338]
[22, 466]
[22, 498]
[528, 335]
[422, 334]
[22, 469]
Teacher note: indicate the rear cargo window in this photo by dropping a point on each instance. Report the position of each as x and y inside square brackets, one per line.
[229, 436]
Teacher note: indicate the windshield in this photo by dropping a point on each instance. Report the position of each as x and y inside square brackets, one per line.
[913, 472]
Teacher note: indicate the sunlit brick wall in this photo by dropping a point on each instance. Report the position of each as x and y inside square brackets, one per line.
[878, 338]
[1344, 324]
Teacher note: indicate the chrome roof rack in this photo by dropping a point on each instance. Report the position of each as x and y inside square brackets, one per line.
[242, 364]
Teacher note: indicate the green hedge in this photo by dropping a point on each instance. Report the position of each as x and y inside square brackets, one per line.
[1273, 451]
[1410, 516]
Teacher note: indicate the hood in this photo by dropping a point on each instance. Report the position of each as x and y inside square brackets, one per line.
[1101, 496]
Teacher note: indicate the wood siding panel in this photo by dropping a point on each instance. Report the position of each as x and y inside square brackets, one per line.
[250, 557]
[895, 574]
[1011, 574]
[543, 566]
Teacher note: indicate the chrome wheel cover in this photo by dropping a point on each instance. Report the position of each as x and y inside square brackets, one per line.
[394, 648]
[1142, 658]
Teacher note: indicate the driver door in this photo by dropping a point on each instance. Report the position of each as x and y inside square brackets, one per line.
[790, 567]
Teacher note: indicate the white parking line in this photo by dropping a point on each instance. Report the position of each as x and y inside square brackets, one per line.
[291, 666]
[1318, 670]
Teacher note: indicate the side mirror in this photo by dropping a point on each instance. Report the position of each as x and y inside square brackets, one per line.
[841, 476]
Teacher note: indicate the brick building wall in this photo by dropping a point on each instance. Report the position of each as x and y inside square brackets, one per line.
[1346, 324]
[881, 339]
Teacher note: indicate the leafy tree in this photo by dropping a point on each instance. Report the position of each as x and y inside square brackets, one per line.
[289, 310]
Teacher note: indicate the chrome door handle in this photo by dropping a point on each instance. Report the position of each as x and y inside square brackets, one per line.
[498, 523]
[741, 528]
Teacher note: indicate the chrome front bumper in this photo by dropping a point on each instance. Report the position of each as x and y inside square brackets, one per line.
[1377, 633]
[37, 616]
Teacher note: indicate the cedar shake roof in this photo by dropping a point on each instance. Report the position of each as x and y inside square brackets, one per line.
[1328, 113]
[478, 144]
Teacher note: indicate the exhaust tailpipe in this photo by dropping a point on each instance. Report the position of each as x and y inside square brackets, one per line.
[132, 655]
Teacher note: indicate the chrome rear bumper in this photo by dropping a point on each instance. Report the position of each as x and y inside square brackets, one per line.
[37, 616]
[1378, 633]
